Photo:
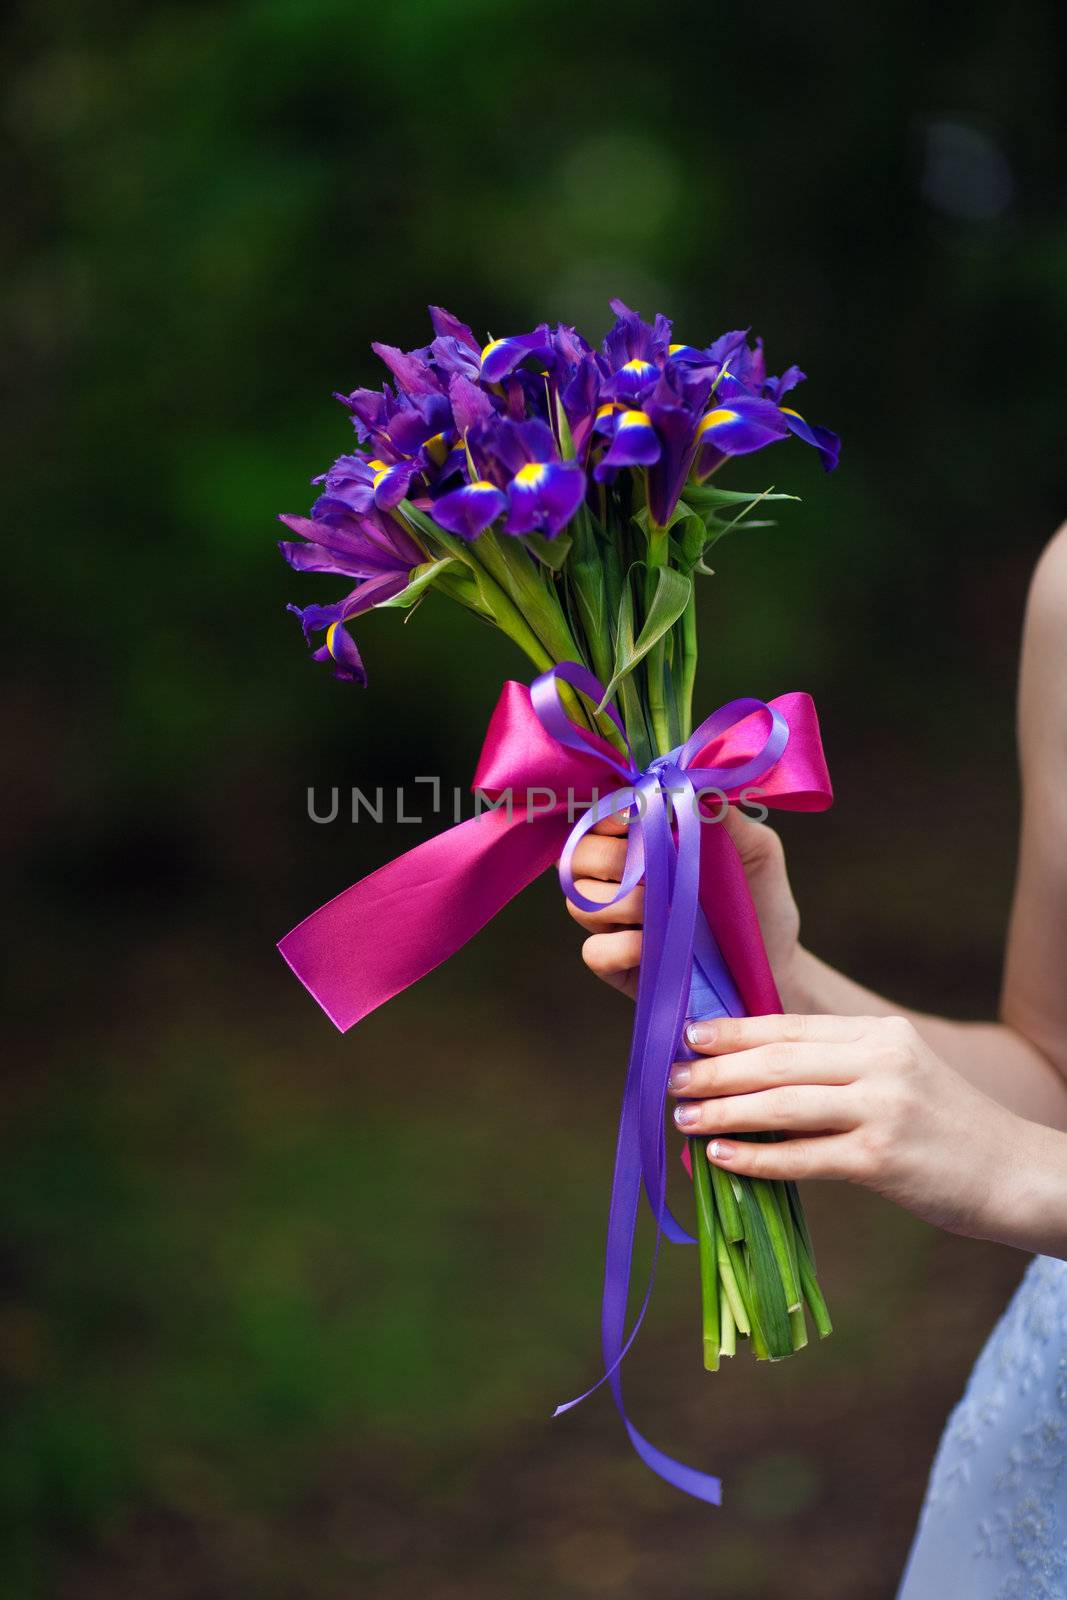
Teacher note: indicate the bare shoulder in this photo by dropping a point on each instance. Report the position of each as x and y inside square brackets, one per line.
[1047, 606]
[1043, 680]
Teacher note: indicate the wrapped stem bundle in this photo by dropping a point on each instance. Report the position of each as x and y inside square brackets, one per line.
[562, 493]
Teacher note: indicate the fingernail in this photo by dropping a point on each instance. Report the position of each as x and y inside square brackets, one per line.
[680, 1075]
[699, 1034]
[717, 1151]
[685, 1114]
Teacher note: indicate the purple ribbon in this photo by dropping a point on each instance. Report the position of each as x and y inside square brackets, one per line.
[682, 975]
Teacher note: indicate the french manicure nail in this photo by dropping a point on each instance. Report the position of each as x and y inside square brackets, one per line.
[680, 1075]
[717, 1151]
[699, 1034]
[684, 1114]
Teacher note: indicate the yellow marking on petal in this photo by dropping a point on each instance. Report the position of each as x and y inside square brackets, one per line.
[606, 410]
[330, 632]
[637, 365]
[377, 466]
[635, 419]
[717, 419]
[532, 474]
[437, 449]
[378, 476]
[482, 483]
[673, 349]
[494, 344]
[787, 411]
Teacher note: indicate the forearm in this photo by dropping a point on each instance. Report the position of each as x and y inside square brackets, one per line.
[1027, 1204]
[995, 1058]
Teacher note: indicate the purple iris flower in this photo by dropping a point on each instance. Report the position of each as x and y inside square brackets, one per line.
[746, 373]
[634, 440]
[735, 427]
[522, 459]
[410, 439]
[500, 357]
[446, 326]
[635, 354]
[674, 408]
[469, 510]
[371, 547]
[360, 482]
[821, 439]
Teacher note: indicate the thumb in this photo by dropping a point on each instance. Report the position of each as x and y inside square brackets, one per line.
[755, 842]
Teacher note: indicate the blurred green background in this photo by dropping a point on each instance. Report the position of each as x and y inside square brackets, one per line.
[284, 1314]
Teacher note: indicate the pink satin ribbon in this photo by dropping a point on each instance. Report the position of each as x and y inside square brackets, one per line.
[393, 927]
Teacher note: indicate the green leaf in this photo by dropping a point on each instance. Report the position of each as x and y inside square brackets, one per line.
[630, 704]
[739, 519]
[426, 525]
[670, 599]
[692, 539]
[420, 579]
[766, 1283]
[552, 553]
[563, 432]
[701, 494]
[681, 510]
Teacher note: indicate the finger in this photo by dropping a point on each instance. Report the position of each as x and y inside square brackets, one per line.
[799, 1108]
[625, 913]
[614, 825]
[597, 856]
[755, 841]
[725, 1034]
[829, 1156]
[764, 1067]
[613, 956]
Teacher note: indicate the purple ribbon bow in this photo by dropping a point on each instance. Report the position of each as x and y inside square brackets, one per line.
[682, 973]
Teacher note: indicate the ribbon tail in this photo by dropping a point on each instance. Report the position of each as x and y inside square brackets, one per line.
[699, 1484]
[734, 926]
[396, 925]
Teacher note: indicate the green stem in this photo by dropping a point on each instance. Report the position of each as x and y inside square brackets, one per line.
[657, 555]
[812, 1293]
[768, 1205]
[687, 666]
[781, 1197]
[770, 1311]
[727, 1325]
[733, 1277]
[726, 1205]
[709, 1275]
[497, 602]
[515, 572]
[759, 1342]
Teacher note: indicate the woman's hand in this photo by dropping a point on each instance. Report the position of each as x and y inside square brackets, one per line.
[613, 949]
[860, 1098]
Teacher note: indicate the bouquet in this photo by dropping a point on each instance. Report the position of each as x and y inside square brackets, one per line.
[564, 494]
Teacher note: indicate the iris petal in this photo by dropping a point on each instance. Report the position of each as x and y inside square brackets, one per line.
[544, 495]
[447, 326]
[736, 428]
[633, 379]
[470, 510]
[502, 356]
[826, 443]
[340, 648]
[391, 484]
[635, 444]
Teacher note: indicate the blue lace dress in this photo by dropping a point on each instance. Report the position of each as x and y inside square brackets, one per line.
[994, 1522]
